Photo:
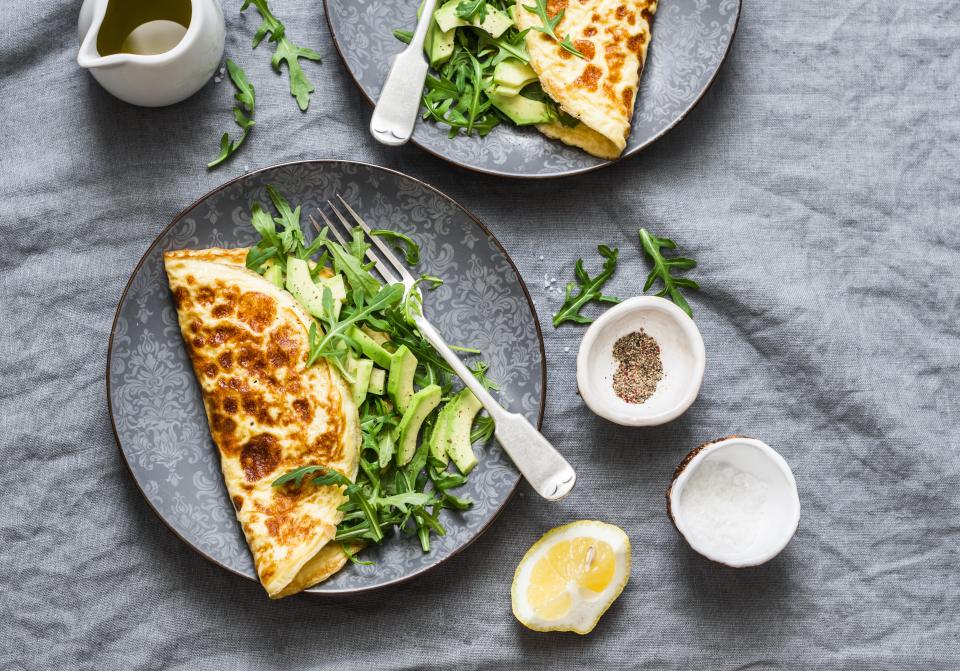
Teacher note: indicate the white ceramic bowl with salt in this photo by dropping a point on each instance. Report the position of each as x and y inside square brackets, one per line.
[735, 501]
[681, 352]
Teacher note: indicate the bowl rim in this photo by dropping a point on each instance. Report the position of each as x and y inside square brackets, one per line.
[693, 461]
[640, 417]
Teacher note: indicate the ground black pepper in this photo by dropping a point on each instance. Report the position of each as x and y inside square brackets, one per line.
[639, 369]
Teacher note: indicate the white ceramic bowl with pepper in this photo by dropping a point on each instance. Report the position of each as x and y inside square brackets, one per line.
[628, 379]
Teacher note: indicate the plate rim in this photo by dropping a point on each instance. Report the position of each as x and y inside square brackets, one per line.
[186, 211]
[556, 175]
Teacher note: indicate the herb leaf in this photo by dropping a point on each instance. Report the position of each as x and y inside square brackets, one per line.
[410, 249]
[242, 113]
[284, 51]
[549, 26]
[662, 266]
[467, 9]
[325, 476]
[589, 289]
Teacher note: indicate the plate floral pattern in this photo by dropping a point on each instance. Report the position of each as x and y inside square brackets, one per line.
[690, 41]
[155, 402]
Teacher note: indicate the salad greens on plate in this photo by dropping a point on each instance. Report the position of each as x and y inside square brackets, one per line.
[412, 420]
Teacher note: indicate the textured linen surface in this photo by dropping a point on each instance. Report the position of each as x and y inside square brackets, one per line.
[817, 184]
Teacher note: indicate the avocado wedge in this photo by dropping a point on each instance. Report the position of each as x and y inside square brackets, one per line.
[421, 405]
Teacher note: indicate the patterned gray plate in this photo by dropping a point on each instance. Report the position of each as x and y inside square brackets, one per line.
[691, 39]
[155, 402]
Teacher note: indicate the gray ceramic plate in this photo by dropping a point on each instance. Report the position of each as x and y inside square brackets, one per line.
[155, 403]
[691, 39]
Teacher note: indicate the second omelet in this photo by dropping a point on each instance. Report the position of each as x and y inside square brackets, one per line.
[600, 89]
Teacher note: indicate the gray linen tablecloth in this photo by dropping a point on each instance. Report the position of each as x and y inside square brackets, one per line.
[817, 184]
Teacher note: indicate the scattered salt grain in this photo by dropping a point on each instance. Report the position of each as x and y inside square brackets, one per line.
[566, 349]
[723, 506]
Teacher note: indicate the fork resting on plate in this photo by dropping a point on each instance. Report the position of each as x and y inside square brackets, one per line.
[539, 462]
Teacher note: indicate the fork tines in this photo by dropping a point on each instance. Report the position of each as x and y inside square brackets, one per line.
[389, 269]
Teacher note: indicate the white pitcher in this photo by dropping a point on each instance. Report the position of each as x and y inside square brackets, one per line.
[153, 53]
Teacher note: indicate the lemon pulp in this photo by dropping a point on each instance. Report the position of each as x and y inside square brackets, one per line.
[582, 562]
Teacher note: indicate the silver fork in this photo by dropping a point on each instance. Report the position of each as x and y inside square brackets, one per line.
[537, 459]
[396, 112]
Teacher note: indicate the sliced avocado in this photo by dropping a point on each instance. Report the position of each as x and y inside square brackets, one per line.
[521, 110]
[361, 369]
[371, 348]
[299, 283]
[439, 45]
[379, 337]
[385, 448]
[513, 73]
[337, 289]
[504, 91]
[495, 22]
[421, 405]
[378, 382]
[403, 365]
[438, 438]
[463, 408]
[274, 274]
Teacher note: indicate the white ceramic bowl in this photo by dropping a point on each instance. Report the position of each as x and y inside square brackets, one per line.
[681, 351]
[780, 510]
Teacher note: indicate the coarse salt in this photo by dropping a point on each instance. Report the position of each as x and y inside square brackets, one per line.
[723, 506]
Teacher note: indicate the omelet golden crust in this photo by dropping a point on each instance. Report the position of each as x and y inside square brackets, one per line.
[601, 89]
[268, 413]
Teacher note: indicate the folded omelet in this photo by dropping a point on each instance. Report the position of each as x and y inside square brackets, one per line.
[268, 413]
[600, 89]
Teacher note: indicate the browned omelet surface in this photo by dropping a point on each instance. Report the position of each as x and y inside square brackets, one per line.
[600, 90]
[268, 413]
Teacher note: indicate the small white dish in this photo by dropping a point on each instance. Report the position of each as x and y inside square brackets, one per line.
[681, 351]
[779, 513]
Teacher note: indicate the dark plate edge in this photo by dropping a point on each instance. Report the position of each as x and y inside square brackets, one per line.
[185, 212]
[557, 175]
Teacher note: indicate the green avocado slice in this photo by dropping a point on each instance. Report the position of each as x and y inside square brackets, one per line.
[421, 405]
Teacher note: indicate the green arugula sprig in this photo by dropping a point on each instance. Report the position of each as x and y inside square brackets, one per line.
[410, 249]
[549, 26]
[338, 329]
[590, 289]
[284, 51]
[467, 9]
[242, 113]
[275, 245]
[662, 267]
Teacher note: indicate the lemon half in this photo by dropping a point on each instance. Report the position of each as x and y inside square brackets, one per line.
[571, 576]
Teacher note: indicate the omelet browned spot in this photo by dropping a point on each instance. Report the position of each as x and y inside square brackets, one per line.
[268, 413]
[600, 90]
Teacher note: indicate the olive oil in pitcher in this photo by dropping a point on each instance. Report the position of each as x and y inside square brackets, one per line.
[143, 27]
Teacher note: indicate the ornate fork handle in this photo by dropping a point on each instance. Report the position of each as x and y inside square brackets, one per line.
[539, 462]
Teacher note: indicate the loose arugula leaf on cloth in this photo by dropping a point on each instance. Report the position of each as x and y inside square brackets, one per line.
[242, 113]
[284, 51]
[662, 267]
[410, 249]
[549, 27]
[590, 289]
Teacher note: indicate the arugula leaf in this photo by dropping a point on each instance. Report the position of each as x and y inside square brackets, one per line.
[410, 249]
[405, 36]
[549, 26]
[246, 101]
[662, 266]
[467, 9]
[353, 269]
[483, 428]
[285, 51]
[589, 289]
[291, 237]
[387, 297]
[325, 476]
[352, 556]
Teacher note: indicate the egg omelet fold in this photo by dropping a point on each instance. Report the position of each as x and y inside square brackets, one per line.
[268, 413]
[600, 89]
